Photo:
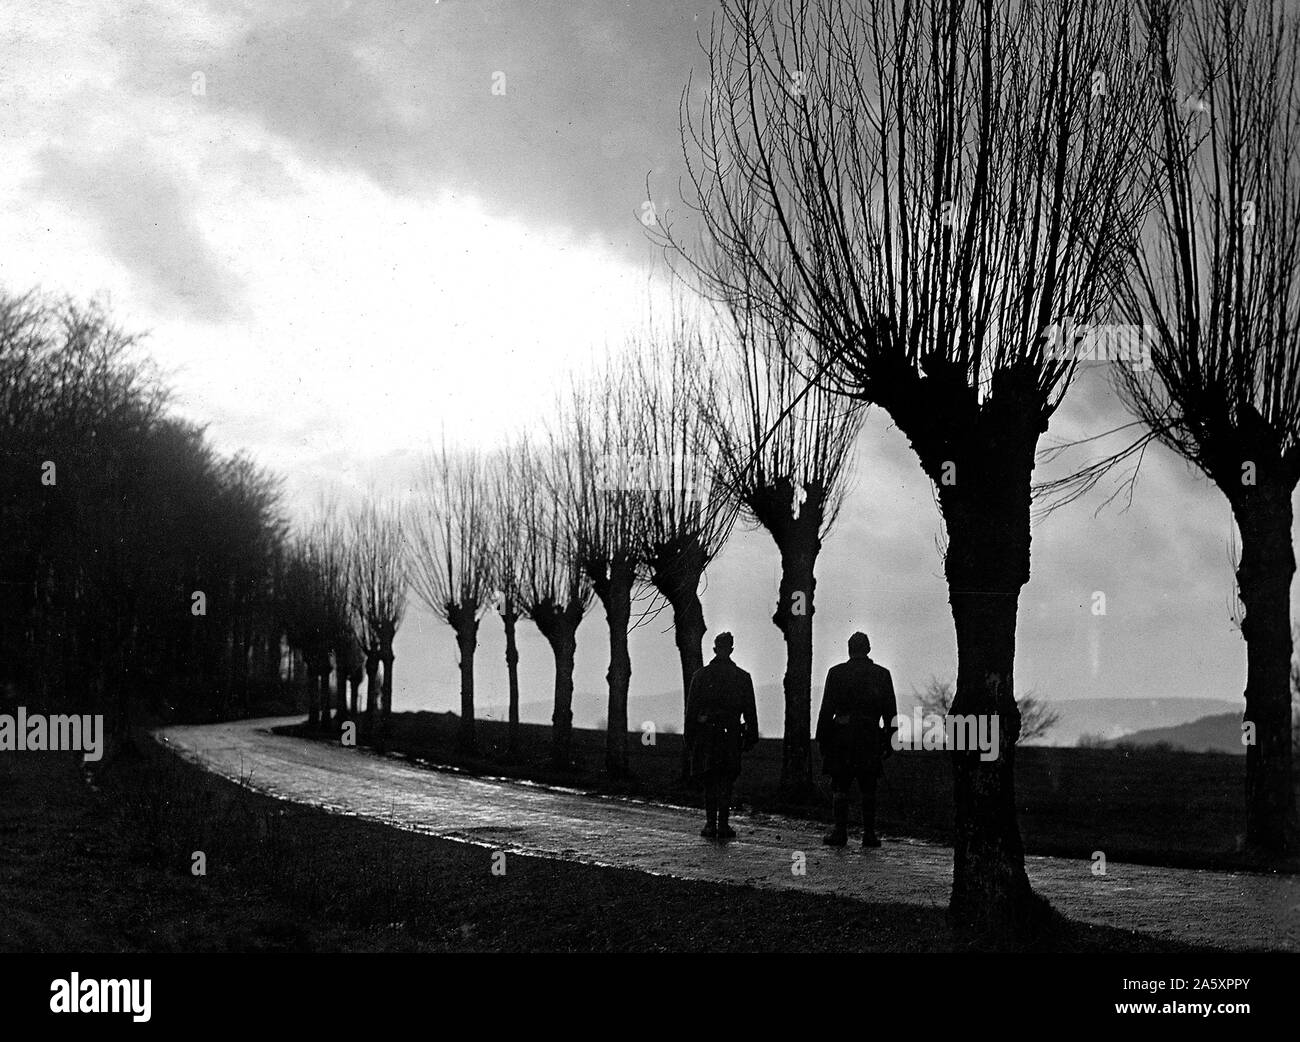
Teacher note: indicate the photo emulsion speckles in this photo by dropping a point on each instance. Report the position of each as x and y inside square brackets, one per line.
[825, 470]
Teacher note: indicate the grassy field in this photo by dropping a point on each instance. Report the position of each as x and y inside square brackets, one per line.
[1147, 806]
[103, 864]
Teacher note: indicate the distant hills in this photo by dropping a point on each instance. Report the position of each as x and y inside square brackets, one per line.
[1112, 718]
[1210, 734]
[1106, 718]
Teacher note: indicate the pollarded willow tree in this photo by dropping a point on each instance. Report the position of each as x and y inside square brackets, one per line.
[451, 558]
[331, 552]
[591, 445]
[554, 590]
[784, 444]
[302, 598]
[1218, 283]
[924, 190]
[666, 462]
[507, 536]
[379, 568]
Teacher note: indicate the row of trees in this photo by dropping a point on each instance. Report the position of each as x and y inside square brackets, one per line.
[626, 500]
[922, 193]
[345, 585]
[134, 558]
[140, 565]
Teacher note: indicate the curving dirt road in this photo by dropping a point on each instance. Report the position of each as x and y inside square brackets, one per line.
[1225, 910]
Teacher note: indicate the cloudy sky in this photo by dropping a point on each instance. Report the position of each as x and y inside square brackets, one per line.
[348, 226]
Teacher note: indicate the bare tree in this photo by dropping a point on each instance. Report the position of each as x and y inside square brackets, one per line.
[554, 591]
[783, 446]
[605, 520]
[306, 622]
[354, 657]
[332, 552]
[337, 572]
[1037, 718]
[1218, 284]
[451, 559]
[508, 543]
[925, 189]
[379, 587]
[667, 461]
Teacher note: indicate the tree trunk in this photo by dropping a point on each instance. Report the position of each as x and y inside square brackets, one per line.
[340, 691]
[618, 614]
[1264, 574]
[386, 724]
[509, 621]
[467, 642]
[329, 695]
[987, 518]
[313, 697]
[563, 639]
[323, 699]
[688, 634]
[794, 618]
[372, 691]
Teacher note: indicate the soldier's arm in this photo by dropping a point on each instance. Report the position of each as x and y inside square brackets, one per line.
[826, 712]
[693, 695]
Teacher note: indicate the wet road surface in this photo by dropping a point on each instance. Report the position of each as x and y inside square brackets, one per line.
[1225, 910]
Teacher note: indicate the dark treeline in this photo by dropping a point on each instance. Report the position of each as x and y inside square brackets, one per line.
[137, 562]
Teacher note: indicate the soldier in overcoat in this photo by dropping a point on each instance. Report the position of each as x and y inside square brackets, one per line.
[854, 734]
[721, 723]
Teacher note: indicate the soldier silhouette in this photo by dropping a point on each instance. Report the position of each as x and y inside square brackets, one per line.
[721, 723]
[854, 733]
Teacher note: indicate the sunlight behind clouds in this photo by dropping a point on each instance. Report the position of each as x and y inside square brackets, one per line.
[352, 316]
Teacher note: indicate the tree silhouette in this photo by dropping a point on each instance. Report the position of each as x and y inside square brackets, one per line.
[1218, 282]
[332, 552]
[304, 599]
[507, 537]
[605, 523]
[1037, 718]
[680, 527]
[554, 590]
[451, 559]
[379, 567]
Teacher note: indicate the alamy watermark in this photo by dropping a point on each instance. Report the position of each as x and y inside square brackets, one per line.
[686, 473]
[92, 995]
[1070, 340]
[37, 732]
[969, 732]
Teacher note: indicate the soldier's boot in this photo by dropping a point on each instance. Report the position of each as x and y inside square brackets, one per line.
[869, 837]
[725, 831]
[839, 834]
[710, 830]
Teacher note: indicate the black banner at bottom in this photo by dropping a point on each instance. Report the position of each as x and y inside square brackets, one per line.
[76, 995]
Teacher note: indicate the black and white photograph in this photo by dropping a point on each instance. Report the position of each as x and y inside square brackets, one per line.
[806, 485]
